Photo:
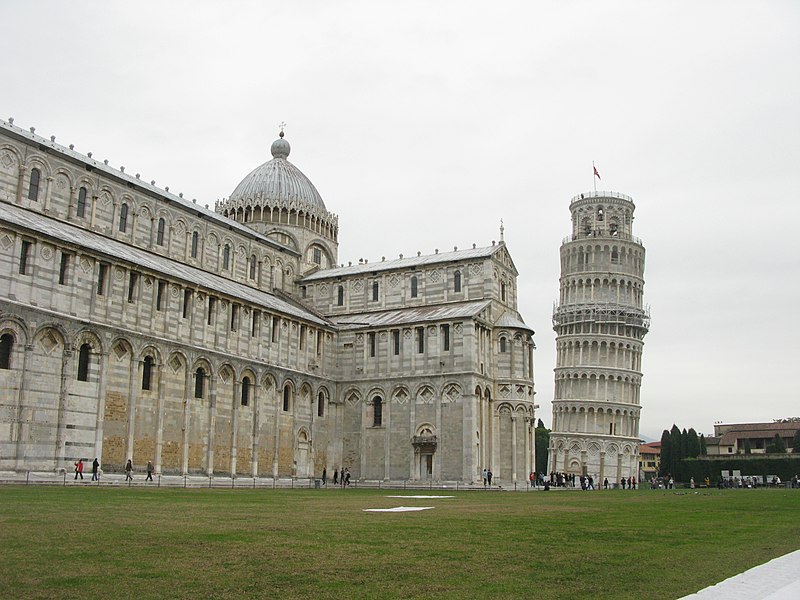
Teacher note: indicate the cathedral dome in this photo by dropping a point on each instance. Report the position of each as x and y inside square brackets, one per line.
[277, 181]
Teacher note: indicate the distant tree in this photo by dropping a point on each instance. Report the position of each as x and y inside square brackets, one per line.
[684, 443]
[676, 445]
[796, 442]
[748, 448]
[542, 446]
[692, 444]
[540, 424]
[666, 454]
[703, 448]
[777, 446]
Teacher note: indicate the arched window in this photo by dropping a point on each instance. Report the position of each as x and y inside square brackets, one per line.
[414, 284]
[321, 405]
[317, 256]
[83, 362]
[147, 372]
[194, 244]
[33, 186]
[81, 210]
[377, 411]
[226, 257]
[457, 281]
[600, 214]
[245, 391]
[503, 292]
[287, 391]
[614, 256]
[199, 382]
[375, 289]
[340, 296]
[6, 345]
[253, 266]
[502, 344]
[160, 232]
[123, 217]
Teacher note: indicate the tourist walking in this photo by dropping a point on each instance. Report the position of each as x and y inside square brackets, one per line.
[129, 471]
[347, 477]
[484, 476]
[149, 471]
[95, 469]
[489, 477]
[605, 483]
[335, 476]
[79, 468]
[324, 476]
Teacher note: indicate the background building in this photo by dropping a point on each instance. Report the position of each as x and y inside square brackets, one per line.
[757, 437]
[137, 324]
[600, 323]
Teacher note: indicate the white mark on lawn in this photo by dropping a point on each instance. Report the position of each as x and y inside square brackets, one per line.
[399, 509]
[420, 496]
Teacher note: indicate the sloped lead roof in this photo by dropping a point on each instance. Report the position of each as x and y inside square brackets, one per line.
[65, 232]
[417, 314]
[405, 263]
[151, 189]
[511, 321]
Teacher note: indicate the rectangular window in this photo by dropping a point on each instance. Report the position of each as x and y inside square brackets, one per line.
[319, 343]
[302, 336]
[63, 269]
[317, 256]
[254, 325]
[234, 316]
[446, 338]
[375, 291]
[396, 341]
[371, 337]
[275, 323]
[24, 256]
[187, 302]
[420, 340]
[133, 279]
[101, 279]
[212, 306]
[162, 288]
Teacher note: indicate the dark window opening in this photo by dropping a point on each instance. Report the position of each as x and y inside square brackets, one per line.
[286, 394]
[134, 278]
[160, 232]
[374, 291]
[372, 344]
[63, 269]
[81, 209]
[24, 256]
[226, 257]
[254, 324]
[340, 296]
[33, 187]
[162, 287]
[194, 245]
[212, 305]
[502, 344]
[253, 267]
[83, 362]
[234, 316]
[199, 383]
[446, 338]
[457, 281]
[101, 279]
[245, 391]
[321, 405]
[396, 341]
[414, 288]
[6, 346]
[420, 340]
[302, 337]
[123, 217]
[377, 412]
[147, 372]
[317, 256]
[275, 324]
[187, 302]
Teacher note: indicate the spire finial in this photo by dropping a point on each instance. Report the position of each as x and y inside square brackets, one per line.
[502, 229]
[282, 125]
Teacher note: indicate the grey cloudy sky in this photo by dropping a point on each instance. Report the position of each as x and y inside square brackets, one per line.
[422, 124]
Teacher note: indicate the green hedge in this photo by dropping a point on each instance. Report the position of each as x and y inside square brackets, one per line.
[784, 467]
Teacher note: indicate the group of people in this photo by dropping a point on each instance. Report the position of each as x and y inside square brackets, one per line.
[487, 477]
[95, 469]
[341, 476]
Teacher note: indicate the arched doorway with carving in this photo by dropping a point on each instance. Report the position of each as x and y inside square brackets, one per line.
[424, 442]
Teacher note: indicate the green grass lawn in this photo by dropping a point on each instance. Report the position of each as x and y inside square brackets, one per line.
[84, 542]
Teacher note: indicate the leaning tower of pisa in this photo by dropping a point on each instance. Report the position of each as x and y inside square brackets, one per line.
[600, 323]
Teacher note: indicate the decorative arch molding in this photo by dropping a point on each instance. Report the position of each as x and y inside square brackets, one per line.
[17, 327]
[88, 336]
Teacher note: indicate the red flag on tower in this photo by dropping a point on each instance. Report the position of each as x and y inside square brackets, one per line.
[596, 174]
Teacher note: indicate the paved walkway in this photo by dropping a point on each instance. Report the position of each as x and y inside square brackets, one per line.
[778, 579]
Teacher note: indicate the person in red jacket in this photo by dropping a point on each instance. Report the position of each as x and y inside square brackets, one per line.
[79, 468]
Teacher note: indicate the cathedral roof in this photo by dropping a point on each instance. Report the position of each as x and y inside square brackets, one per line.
[511, 321]
[68, 233]
[417, 314]
[278, 181]
[405, 263]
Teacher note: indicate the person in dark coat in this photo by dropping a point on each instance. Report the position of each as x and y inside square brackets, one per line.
[336, 477]
[129, 471]
[95, 469]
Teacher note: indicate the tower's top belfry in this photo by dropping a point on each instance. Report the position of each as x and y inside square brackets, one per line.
[602, 214]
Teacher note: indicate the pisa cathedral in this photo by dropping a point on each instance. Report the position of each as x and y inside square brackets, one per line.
[137, 324]
[600, 322]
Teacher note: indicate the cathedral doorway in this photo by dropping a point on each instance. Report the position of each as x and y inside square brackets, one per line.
[302, 461]
[424, 442]
[426, 466]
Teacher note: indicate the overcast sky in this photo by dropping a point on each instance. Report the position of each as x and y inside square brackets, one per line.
[423, 124]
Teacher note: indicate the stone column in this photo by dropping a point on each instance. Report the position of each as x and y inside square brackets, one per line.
[23, 386]
[132, 399]
[101, 407]
[187, 396]
[387, 446]
[256, 420]
[212, 421]
[66, 369]
[237, 385]
[513, 448]
[71, 208]
[162, 384]
[20, 181]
